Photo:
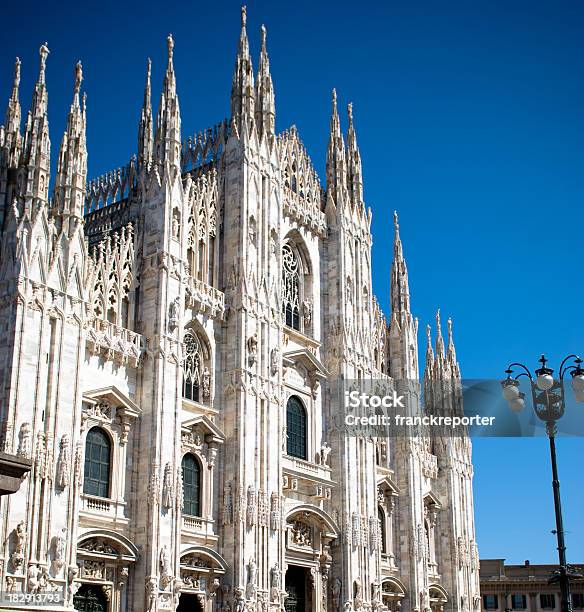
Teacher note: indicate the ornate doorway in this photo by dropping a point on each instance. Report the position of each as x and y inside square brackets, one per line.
[189, 603]
[296, 579]
[90, 598]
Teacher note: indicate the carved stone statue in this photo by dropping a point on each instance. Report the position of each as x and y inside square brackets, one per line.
[20, 537]
[151, 588]
[375, 594]
[252, 348]
[175, 223]
[301, 534]
[206, 382]
[336, 593]
[174, 314]
[274, 361]
[239, 603]
[33, 579]
[63, 463]
[165, 575]
[167, 493]
[325, 451]
[73, 586]
[252, 570]
[17, 557]
[252, 230]
[60, 545]
[274, 511]
[307, 312]
[177, 586]
[124, 573]
[357, 593]
[275, 582]
[24, 436]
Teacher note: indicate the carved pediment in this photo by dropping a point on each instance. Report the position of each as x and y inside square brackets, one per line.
[112, 396]
[307, 360]
[102, 544]
[202, 560]
[387, 486]
[201, 429]
[431, 500]
[307, 365]
[99, 546]
[110, 407]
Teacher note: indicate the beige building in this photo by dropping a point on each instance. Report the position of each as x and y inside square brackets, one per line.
[169, 335]
[524, 587]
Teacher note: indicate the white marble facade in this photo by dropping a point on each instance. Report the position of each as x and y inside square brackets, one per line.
[169, 334]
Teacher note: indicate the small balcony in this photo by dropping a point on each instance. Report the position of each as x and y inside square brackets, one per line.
[198, 529]
[204, 298]
[114, 343]
[306, 477]
[102, 510]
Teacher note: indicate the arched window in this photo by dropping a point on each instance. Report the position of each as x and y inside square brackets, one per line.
[98, 452]
[296, 428]
[201, 271]
[191, 473]
[125, 312]
[290, 287]
[192, 260]
[111, 315]
[210, 275]
[192, 366]
[382, 532]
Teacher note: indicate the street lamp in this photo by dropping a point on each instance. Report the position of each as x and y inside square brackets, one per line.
[548, 397]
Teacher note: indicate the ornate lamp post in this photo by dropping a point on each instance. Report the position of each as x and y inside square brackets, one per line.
[548, 397]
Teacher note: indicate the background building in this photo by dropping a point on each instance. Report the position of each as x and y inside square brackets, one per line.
[524, 587]
[169, 334]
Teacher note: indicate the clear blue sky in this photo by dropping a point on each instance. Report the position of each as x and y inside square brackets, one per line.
[471, 124]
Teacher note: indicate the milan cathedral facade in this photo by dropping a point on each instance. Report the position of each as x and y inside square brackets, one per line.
[169, 334]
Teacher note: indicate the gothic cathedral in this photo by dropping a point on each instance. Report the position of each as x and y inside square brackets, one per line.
[169, 333]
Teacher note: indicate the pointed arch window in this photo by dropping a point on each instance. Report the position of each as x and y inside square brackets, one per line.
[125, 312]
[296, 429]
[290, 287]
[97, 468]
[382, 531]
[192, 366]
[191, 474]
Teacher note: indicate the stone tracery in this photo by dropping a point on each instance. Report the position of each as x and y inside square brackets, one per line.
[110, 275]
[202, 225]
